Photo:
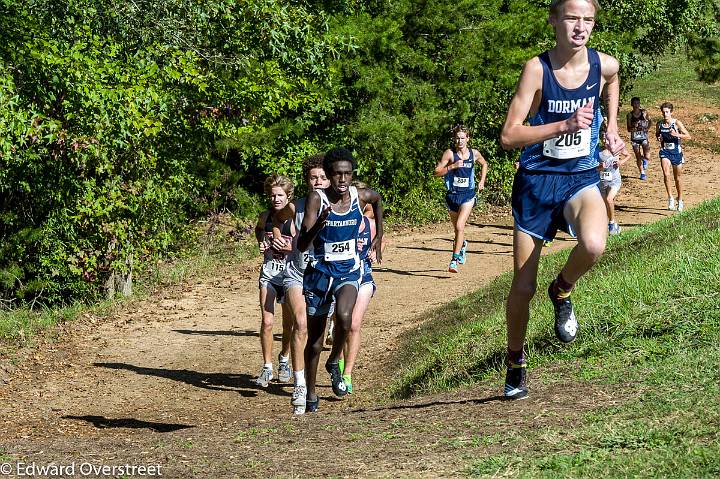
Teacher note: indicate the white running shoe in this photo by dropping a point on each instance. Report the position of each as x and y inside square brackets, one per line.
[284, 372]
[671, 203]
[266, 375]
[680, 205]
[299, 399]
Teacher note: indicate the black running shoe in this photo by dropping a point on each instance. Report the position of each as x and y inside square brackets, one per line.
[516, 382]
[312, 406]
[566, 325]
[338, 385]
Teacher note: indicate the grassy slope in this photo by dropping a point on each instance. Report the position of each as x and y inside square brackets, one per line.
[650, 323]
[649, 318]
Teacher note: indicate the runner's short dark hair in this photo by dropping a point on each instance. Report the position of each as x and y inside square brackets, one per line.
[337, 154]
[312, 162]
[667, 104]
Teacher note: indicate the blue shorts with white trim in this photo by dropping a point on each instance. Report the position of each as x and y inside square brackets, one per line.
[320, 288]
[539, 199]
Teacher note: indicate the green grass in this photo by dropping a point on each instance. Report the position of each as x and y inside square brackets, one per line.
[649, 318]
[674, 79]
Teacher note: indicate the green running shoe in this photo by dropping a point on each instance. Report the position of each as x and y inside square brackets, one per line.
[348, 383]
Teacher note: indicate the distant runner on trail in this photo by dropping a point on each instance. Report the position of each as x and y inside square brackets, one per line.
[638, 124]
[669, 132]
[610, 183]
[297, 261]
[279, 190]
[556, 187]
[331, 226]
[457, 165]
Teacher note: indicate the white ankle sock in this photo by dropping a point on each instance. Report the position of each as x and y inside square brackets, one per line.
[300, 378]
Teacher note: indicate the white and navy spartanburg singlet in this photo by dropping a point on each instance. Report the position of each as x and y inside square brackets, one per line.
[335, 249]
[462, 179]
[670, 144]
[572, 152]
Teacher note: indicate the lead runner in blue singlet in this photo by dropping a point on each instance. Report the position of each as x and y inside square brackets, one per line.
[331, 225]
[556, 186]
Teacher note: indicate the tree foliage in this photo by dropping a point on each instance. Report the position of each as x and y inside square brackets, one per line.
[121, 122]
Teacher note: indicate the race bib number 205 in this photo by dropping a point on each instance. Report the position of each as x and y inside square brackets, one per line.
[568, 146]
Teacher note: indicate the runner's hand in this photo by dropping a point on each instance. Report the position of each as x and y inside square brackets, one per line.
[322, 217]
[279, 244]
[376, 250]
[263, 245]
[581, 119]
[372, 257]
[614, 143]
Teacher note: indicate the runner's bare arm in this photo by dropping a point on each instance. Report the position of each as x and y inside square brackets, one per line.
[278, 219]
[260, 231]
[483, 169]
[630, 129]
[372, 197]
[682, 131]
[446, 164]
[515, 133]
[609, 67]
[311, 224]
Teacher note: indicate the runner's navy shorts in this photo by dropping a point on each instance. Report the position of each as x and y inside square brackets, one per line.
[539, 199]
[455, 200]
[320, 288]
[676, 159]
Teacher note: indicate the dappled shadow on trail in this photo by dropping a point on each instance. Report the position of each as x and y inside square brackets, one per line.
[244, 384]
[653, 211]
[477, 401]
[412, 273]
[480, 225]
[101, 422]
[495, 243]
[245, 332]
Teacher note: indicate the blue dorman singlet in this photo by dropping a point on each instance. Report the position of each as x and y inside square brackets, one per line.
[670, 144]
[462, 179]
[572, 152]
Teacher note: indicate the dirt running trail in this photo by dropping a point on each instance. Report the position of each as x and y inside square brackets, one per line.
[169, 380]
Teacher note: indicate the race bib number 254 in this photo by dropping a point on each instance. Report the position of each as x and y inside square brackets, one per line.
[340, 251]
